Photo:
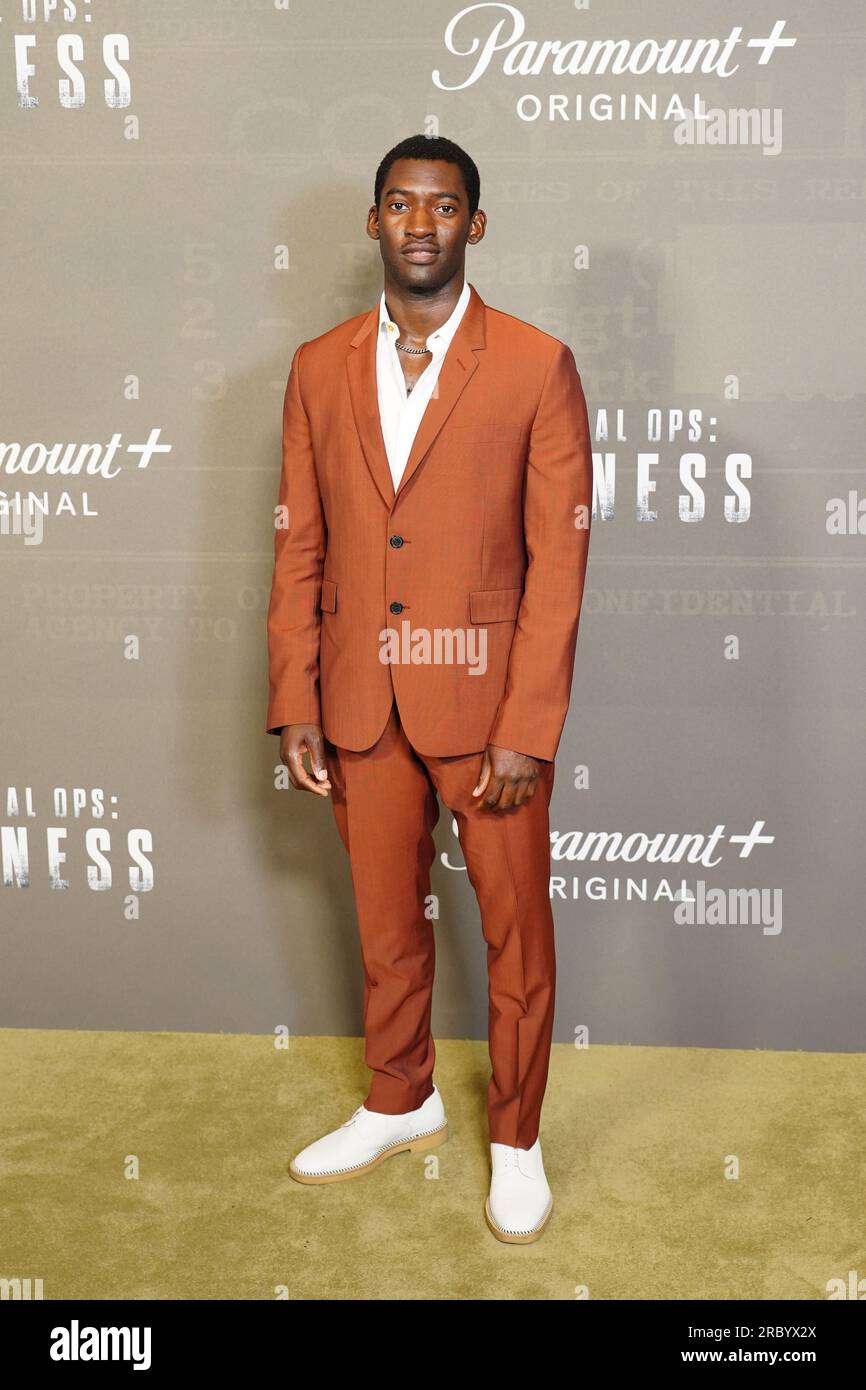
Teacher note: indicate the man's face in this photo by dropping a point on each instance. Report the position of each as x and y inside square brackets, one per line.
[422, 223]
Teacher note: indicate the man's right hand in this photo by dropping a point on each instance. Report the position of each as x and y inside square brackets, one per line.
[295, 740]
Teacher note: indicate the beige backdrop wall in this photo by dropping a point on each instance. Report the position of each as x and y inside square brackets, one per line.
[183, 213]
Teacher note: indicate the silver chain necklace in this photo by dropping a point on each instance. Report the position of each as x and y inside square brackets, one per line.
[416, 352]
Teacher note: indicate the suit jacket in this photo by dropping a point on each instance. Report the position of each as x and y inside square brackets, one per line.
[482, 544]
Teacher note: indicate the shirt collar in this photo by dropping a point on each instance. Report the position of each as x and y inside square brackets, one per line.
[441, 336]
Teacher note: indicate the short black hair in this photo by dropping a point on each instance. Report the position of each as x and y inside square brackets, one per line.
[432, 147]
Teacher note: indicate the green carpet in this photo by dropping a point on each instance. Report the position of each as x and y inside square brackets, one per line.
[635, 1139]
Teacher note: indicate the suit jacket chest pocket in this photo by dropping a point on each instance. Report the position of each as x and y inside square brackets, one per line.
[481, 432]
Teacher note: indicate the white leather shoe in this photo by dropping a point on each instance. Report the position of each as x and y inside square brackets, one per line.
[367, 1139]
[520, 1201]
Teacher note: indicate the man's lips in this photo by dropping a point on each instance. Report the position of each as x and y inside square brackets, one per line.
[420, 253]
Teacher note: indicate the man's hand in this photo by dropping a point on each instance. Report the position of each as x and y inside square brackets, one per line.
[295, 740]
[511, 778]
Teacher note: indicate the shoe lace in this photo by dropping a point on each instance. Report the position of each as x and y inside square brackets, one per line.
[353, 1118]
[511, 1161]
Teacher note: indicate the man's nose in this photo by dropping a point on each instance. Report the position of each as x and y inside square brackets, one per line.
[421, 226]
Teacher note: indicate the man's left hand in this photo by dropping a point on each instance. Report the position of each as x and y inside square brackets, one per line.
[507, 779]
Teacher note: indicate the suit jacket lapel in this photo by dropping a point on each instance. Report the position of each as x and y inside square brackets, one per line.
[457, 369]
[364, 393]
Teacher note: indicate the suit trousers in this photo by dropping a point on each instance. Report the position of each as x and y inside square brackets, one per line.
[385, 806]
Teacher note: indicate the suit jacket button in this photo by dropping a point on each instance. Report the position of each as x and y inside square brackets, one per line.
[396, 608]
[396, 541]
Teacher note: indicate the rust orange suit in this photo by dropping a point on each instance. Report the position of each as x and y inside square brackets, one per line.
[420, 626]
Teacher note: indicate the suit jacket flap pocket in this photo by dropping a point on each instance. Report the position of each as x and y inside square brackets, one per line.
[328, 602]
[494, 605]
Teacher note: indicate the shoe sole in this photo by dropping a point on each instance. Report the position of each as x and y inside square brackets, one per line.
[420, 1144]
[509, 1237]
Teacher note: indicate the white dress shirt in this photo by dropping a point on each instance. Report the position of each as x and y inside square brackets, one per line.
[401, 411]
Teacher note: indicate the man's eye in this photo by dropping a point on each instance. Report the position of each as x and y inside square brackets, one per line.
[448, 207]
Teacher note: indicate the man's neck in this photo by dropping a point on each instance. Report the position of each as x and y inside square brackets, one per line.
[419, 314]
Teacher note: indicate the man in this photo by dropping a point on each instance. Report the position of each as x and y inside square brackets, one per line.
[437, 465]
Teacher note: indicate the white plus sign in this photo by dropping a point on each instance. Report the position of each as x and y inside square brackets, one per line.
[149, 449]
[771, 42]
[753, 838]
